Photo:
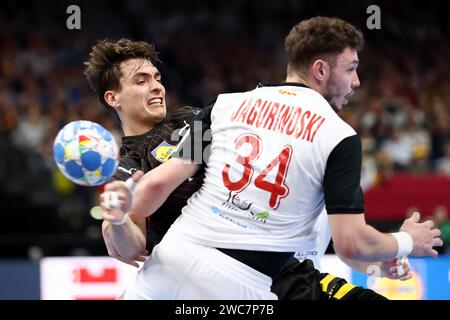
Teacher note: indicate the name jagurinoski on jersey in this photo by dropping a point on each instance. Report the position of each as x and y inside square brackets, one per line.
[273, 116]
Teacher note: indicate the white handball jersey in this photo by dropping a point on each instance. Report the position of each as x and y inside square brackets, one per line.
[322, 233]
[263, 188]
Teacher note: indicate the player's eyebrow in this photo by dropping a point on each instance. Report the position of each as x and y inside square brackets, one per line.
[146, 74]
[355, 61]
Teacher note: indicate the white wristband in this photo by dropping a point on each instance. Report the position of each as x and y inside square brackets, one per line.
[405, 243]
[121, 222]
[131, 185]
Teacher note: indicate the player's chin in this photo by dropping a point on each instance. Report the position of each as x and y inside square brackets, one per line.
[337, 106]
[159, 111]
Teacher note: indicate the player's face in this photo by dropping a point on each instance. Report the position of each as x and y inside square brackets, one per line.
[142, 97]
[343, 79]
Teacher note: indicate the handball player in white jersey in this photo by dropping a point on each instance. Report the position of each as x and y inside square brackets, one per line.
[279, 155]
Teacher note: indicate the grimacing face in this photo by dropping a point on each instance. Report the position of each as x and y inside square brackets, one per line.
[343, 79]
[142, 97]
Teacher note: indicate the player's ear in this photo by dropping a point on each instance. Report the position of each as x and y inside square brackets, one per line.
[112, 98]
[320, 70]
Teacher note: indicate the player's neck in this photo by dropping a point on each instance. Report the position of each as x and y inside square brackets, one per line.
[298, 78]
[135, 129]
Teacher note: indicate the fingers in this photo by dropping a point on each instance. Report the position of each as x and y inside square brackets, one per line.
[429, 224]
[106, 201]
[437, 242]
[434, 254]
[141, 258]
[112, 200]
[137, 176]
[131, 183]
[131, 262]
[435, 233]
[415, 217]
[407, 276]
[403, 266]
[112, 252]
[400, 269]
[127, 261]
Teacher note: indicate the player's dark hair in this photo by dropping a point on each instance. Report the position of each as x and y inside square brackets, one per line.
[320, 37]
[102, 70]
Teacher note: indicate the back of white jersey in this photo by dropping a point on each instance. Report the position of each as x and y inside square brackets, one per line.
[263, 185]
[319, 245]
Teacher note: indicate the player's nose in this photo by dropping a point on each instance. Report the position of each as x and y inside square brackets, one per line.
[156, 86]
[355, 81]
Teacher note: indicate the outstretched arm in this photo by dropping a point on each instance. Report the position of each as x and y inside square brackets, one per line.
[157, 184]
[124, 204]
[354, 239]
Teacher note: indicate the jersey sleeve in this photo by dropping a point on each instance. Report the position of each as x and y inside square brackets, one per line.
[343, 193]
[195, 143]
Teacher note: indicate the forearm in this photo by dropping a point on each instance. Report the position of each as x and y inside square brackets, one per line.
[156, 186]
[354, 239]
[128, 239]
[369, 245]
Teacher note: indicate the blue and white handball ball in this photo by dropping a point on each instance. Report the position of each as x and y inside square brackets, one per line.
[86, 153]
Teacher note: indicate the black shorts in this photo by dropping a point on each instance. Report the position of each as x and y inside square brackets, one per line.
[301, 281]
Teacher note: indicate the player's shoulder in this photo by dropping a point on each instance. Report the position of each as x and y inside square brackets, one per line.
[179, 117]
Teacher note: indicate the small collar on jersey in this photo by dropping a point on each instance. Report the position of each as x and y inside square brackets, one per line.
[280, 84]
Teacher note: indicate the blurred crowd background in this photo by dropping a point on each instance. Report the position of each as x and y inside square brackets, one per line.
[401, 110]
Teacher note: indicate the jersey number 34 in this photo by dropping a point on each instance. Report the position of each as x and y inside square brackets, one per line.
[277, 189]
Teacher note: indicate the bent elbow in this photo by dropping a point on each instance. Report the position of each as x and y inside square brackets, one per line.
[347, 248]
[155, 185]
[134, 252]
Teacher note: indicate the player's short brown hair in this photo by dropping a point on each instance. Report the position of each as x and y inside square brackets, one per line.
[320, 37]
[102, 70]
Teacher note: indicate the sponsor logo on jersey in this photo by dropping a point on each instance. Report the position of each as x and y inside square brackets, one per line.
[163, 152]
[219, 213]
[290, 93]
[302, 255]
[129, 172]
[237, 203]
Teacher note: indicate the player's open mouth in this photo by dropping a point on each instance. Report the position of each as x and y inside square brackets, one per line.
[346, 98]
[155, 101]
